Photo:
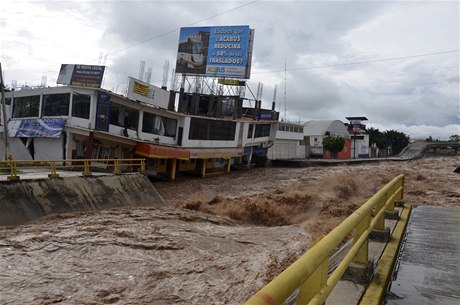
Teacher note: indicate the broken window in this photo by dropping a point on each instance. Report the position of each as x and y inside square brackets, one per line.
[160, 125]
[123, 116]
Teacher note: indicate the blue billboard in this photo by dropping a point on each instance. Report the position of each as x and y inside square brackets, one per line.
[36, 128]
[223, 51]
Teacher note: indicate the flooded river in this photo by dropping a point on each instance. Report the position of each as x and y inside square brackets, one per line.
[219, 240]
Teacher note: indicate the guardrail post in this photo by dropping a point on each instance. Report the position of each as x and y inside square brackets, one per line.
[399, 200]
[380, 233]
[53, 174]
[142, 165]
[312, 285]
[390, 212]
[86, 169]
[363, 253]
[361, 269]
[13, 170]
[380, 222]
[391, 205]
[402, 191]
[116, 167]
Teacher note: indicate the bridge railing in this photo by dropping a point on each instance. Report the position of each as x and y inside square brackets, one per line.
[86, 166]
[309, 273]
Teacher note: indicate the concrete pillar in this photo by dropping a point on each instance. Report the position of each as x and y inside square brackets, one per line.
[228, 164]
[89, 146]
[250, 157]
[172, 100]
[203, 167]
[183, 104]
[173, 169]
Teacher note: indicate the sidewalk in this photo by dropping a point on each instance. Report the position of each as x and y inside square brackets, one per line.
[33, 174]
[329, 162]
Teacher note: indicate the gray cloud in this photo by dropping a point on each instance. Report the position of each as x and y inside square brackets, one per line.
[409, 93]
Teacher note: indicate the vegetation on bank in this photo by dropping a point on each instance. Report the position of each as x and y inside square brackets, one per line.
[394, 139]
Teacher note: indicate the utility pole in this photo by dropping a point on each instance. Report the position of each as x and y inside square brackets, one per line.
[5, 123]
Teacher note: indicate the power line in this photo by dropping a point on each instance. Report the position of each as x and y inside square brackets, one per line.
[174, 30]
[360, 62]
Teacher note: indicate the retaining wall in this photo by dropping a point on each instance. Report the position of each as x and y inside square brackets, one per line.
[26, 200]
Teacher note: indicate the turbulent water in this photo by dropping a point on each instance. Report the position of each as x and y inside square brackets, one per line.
[219, 241]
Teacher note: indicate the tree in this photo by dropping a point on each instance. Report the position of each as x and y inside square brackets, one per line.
[398, 140]
[377, 137]
[334, 145]
[454, 138]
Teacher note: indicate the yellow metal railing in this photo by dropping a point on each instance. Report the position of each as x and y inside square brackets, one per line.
[309, 273]
[86, 166]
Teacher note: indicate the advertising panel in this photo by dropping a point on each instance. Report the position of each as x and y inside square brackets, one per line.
[223, 51]
[265, 115]
[103, 111]
[147, 93]
[81, 75]
[36, 128]
[231, 82]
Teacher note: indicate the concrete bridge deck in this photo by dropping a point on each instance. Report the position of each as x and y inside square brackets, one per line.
[429, 267]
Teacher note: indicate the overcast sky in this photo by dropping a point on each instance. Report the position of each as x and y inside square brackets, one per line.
[397, 63]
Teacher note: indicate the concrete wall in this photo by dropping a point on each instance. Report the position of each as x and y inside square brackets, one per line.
[285, 149]
[26, 200]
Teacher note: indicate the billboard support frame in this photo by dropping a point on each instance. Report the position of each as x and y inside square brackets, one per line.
[209, 85]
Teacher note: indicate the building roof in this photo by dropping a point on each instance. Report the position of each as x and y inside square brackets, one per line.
[361, 118]
[320, 127]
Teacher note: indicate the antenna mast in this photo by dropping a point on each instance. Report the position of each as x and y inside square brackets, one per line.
[285, 100]
[274, 98]
[43, 82]
[173, 80]
[260, 89]
[148, 75]
[165, 73]
[141, 70]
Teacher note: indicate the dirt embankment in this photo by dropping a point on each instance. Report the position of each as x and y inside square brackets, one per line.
[27, 200]
[220, 240]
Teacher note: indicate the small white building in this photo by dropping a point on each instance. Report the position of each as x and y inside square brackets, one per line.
[315, 131]
[289, 142]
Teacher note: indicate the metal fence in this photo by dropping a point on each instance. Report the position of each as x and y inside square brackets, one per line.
[86, 166]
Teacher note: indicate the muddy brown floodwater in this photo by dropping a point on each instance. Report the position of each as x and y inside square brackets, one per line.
[220, 239]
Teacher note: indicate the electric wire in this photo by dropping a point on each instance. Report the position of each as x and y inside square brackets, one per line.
[359, 62]
[170, 31]
[177, 29]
